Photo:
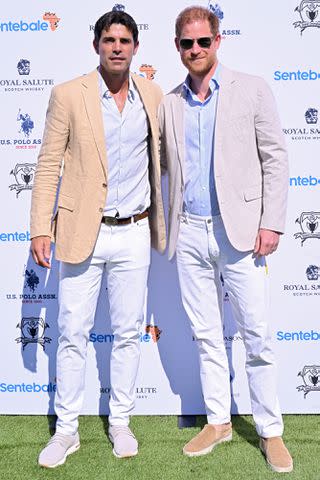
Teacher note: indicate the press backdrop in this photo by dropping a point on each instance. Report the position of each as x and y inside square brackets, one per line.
[43, 44]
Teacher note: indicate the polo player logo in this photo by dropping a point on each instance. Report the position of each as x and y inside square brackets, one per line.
[313, 272]
[311, 116]
[154, 331]
[309, 225]
[216, 10]
[311, 379]
[32, 280]
[26, 123]
[23, 67]
[309, 12]
[24, 175]
[32, 331]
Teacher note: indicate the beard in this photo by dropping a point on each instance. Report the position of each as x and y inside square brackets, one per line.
[199, 67]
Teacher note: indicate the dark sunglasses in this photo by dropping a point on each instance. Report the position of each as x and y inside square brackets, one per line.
[203, 42]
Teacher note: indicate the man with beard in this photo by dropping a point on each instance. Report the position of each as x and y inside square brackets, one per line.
[223, 148]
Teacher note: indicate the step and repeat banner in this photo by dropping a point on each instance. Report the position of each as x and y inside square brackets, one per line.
[45, 43]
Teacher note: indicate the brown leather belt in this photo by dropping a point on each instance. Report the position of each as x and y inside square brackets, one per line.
[124, 221]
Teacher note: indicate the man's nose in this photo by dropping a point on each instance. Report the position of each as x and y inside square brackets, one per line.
[117, 46]
[195, 47]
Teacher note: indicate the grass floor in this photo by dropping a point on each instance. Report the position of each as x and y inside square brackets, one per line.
[160, 457]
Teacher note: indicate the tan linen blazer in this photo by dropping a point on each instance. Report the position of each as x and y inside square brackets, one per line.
[250, 159]
[74, 146]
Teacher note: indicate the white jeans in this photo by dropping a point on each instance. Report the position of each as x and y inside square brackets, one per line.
[124, 252]
[203, 253]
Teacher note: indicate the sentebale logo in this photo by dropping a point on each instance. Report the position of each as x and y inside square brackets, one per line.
[51, 22]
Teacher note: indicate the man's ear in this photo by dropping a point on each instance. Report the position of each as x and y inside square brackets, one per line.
[95, 46]
[176, 41]
[136, 46]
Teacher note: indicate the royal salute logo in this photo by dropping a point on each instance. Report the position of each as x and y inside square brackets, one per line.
[118, 7]
[309, 225]
[24, 175]
[51, 22]
[311, 379]
[309, 15]
[23, 67]
[311, 116]
[24, 84]
[26, 126]
[313, 272]
[302, 288]
[307, 132]
[32, 331]
[225, 32]
[142, 393]
[147, 71]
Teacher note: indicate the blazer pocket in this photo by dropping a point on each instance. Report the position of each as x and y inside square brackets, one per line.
[253, 193]
[66, 202]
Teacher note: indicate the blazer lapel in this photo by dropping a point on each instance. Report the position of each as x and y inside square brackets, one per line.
[178, 113]
[91, 96]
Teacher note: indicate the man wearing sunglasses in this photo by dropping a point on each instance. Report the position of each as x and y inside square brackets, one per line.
[223, 148]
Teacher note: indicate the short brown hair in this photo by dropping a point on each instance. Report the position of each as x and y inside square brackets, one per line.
[191, 14]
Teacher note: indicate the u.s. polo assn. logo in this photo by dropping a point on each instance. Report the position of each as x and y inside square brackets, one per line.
[311, 379]
[310, 226]
[218, 12]
[309, 14]
[26, 123]
[24, 175]
[32, 331]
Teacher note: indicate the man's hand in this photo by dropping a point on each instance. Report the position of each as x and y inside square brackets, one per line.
[40, 249]
[266, 242]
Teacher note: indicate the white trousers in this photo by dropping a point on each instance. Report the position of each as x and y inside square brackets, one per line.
[203, 253]
[123, 251]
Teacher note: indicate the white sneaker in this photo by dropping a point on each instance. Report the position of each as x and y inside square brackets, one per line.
[57, 450]
[124, 442]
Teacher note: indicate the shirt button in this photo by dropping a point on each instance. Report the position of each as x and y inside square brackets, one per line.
[101, 210]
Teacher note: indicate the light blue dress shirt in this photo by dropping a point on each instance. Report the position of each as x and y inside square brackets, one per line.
[200, 197]
[126, 136]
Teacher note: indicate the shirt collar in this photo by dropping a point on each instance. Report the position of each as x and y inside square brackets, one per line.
[105, 92]
[214, 83]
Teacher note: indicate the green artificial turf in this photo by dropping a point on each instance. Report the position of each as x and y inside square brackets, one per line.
[160, 457]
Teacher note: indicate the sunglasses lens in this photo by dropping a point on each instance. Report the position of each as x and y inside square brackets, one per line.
[186, 43]
[204, 42]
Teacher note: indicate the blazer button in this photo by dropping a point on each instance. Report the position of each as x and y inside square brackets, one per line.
[101, 210]
[104, 185]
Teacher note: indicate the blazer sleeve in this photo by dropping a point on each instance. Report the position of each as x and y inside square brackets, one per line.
[274, 160]
[54, 144]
